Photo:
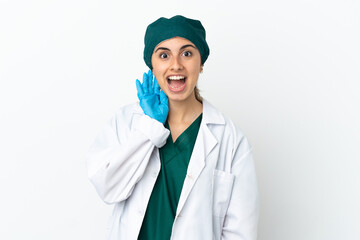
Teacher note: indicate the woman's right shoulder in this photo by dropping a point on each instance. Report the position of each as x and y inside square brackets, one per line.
[123, 116]
[127, 111]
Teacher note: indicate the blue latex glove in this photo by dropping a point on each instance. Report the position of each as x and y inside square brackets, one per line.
[154, 102]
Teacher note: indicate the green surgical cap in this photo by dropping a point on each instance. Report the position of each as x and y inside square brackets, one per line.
[177, 26]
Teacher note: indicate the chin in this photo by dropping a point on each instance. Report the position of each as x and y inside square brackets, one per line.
[179, 97]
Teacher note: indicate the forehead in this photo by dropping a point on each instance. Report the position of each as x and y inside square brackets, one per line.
[174, 43]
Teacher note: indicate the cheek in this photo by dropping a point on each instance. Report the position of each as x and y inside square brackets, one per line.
[158, 70]
[159, 78]
[195, 66]
[195, 70]
[156, 74]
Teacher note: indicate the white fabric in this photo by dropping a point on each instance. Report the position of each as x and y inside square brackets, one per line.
[219, 199]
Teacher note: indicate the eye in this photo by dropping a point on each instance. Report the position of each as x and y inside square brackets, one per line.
[163, 55]
[187, 53]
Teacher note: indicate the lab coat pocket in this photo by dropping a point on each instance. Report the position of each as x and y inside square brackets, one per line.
[222, 188]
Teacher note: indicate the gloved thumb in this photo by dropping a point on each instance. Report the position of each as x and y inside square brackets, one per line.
[163, 98]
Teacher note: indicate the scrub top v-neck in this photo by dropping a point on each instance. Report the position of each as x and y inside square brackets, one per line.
[161, 209]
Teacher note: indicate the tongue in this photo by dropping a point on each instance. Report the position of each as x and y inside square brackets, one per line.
[176, 83]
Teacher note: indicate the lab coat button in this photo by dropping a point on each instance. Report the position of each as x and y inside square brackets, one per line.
[154, 174]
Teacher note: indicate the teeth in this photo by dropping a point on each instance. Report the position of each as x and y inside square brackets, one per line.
[176, 77]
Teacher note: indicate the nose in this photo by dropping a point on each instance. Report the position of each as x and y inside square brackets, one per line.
[176, 64]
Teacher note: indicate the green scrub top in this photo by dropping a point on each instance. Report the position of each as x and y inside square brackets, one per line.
[161, 209]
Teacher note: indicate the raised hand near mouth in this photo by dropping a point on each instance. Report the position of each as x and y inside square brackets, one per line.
[153, 100]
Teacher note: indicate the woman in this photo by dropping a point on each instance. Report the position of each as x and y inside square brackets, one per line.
[173, 165]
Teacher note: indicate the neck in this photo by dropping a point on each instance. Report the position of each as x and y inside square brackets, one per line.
[184, 111]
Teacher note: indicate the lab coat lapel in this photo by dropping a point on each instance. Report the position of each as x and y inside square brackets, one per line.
[205, 142]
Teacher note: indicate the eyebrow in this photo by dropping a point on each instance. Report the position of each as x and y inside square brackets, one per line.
[185, 46]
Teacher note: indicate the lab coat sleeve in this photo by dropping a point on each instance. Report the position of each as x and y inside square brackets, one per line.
[242, 215]
[117, 159]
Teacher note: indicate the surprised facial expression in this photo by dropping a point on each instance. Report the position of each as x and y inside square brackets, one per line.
[177, 64]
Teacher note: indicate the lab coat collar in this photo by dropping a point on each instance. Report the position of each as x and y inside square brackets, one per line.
[205, 143]
[211, 115]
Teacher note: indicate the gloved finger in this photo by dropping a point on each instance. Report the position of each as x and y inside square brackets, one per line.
[156, 87]
[150, 82]
[145, 84]
[140, 91]
[163, 98]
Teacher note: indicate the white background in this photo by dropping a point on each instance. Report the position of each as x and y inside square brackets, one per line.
[287, 72]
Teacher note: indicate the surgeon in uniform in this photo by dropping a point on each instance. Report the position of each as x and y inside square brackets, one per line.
[174, 166]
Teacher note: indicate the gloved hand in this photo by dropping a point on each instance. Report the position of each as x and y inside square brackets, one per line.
[153, 101]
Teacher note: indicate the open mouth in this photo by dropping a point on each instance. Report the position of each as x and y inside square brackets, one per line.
[176, 83]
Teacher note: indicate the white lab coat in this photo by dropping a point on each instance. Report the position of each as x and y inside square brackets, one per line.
[219, 198]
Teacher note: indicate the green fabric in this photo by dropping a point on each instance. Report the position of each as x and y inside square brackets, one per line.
[177, 26]
[161, 209]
